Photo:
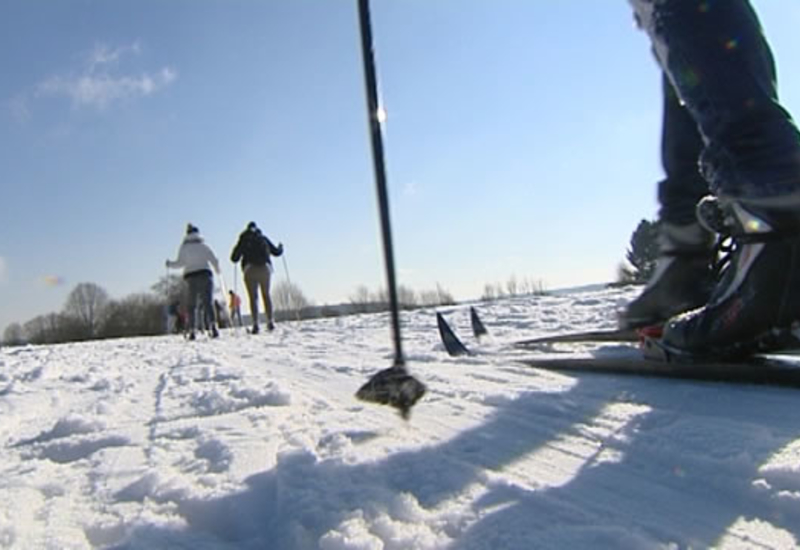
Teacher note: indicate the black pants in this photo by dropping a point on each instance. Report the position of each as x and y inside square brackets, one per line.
[201, 289]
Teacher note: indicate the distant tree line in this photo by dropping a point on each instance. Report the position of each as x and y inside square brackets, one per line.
[90, 314]
[363, 300]
[513, 287]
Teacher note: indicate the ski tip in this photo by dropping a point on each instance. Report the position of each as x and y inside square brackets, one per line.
[451, 343]
[478, 328]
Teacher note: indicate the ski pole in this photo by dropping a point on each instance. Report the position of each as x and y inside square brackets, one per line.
[291, 287]
[375, 115]
[393, 386]
[235, 280]
[236, 292]
[166, 297]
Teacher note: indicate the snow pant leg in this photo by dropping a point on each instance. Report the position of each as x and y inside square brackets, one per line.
[257, 277]
[194, 300]
[207, 296]
[201, 289]
[235, 314]
[720, 64]
[251, 285]
[681, 146]
[264, 283]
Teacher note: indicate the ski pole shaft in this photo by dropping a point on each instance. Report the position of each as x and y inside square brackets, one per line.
[291, 287]
[374, 115]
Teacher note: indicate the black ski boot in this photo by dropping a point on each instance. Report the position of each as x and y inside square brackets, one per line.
[756, 298]
[682, 280]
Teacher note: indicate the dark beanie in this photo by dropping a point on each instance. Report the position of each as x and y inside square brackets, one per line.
[251, 226]
[191, 229]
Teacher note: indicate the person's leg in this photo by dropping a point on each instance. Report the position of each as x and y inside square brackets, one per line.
[207, 295]
[236, 316]
[720, 63]
[267, 297]
[721, 67]
[681, 145]
[195, 291]
[251, 284]
[682, 278]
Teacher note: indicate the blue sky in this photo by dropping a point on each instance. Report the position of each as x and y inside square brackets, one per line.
[521, 140]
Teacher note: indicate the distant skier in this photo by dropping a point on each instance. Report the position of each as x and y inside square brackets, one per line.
[254, 250]
[721, 114]
[176, 323]
[235, 307]
[197, 260]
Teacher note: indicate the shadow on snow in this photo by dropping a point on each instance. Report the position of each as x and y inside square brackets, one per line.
[684, 474]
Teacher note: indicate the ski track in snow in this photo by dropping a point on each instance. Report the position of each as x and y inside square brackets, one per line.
[257, 442]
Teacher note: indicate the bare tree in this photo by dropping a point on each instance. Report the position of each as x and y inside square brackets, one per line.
[13, 335]
[380, 299]
[287, 296]
[438, 297]
[360, 299]
[406, 297]
[538, 287]
[85, 305]
[445, 296]
[134, 315]
[170, 287]
[512, 285]
[45, 329]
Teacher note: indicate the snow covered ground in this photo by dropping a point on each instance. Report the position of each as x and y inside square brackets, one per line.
[257, 442]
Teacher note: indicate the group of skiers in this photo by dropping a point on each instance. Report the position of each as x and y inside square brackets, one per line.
[199, 263]
[731, 154]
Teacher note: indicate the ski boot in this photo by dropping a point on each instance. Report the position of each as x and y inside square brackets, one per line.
[682, 279]
[756, 298]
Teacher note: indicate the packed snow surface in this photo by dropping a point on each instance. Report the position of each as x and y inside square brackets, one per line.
[257, 442]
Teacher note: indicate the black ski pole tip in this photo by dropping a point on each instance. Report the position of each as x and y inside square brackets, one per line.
[394, 387]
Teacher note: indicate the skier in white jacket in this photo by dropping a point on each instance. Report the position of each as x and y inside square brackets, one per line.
[197, 260]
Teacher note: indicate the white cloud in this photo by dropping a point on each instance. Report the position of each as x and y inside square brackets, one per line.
[18, 108]
[102, 55]
[102, 82]
[99, 90]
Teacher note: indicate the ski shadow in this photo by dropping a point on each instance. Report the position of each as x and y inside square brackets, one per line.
[681, 473]
[686, 472]
[302, 498]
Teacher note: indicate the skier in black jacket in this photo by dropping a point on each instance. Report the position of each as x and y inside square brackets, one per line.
[254, 250]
